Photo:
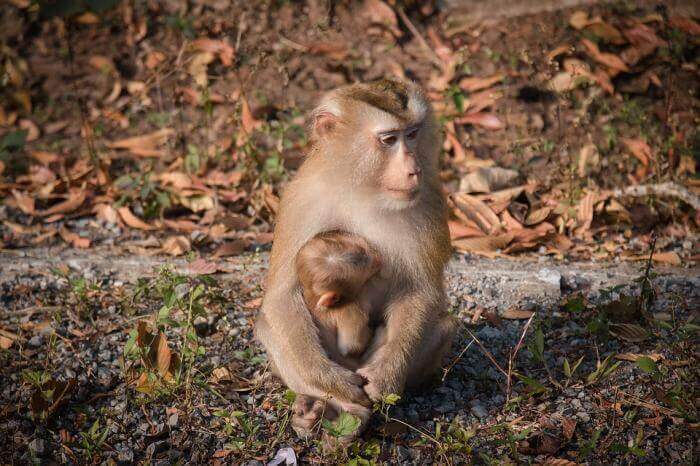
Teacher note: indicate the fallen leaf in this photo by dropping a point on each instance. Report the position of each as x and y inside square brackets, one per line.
[486, 245]
[584, 213]
[629, 332]
[515, 314]
[458, 230]
[667, 257]
[568, 427]
[633, 357]
[605, 31]
[102, 64]
[489, 121]
[176, 245]
[197, 68]
[472, 84]
[106, 213]
[559, 462]
[639, 148]
[477, 211]
[132, 220]
[198, 203]
[487, 179]
[247, 121]
[579, 19]
[221, 374]
[537, 216]
[378, 12]
[686, 25]
[608, 59]
[75, 200]
[7, 338]
[31, 128]
[74, 239]
[202, 267]
[588, 157]
[24, 202]
[146, 145]
[221, 48]
[230, 248]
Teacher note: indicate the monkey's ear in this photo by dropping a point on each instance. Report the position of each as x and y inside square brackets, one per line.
[328, 299]
[324, 123]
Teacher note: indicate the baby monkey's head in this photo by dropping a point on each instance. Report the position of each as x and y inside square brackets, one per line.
[333, 267]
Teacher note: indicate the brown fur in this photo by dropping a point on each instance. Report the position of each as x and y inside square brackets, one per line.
[337, 265]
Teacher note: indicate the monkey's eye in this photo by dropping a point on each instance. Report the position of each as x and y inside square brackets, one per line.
[412, 133]
[388, 140]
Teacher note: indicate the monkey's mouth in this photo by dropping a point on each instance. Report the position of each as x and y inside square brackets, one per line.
[403, 194]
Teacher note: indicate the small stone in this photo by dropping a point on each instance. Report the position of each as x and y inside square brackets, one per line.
[35, 341]
[478, 410]
[551, 276]
[37, 447]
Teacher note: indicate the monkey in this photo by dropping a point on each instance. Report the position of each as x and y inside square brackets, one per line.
[372, 171]
[333, 268]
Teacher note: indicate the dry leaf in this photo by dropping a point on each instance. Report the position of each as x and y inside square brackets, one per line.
[486, 120]
[132, 220]
[7, 338]
[639, 148]
[219, 47]
[473, 84]
[221, 374]
[24, 202]
[686, 25]
[634, 356]
[106, 213]
[378, 12]
[608, 59]
[247, 121]
[176, 245]
[605, 31]
[75, 200]
[202, 267]
[163, 355]
[537, 216]
[629, 332]
[477, 211]
[588, 157]
[197, 68]
[667, 257]
[579, 19]
[458, 230]
[74, 239]
[230, 248]
[31, 128]
[486, 245]
[487, 179]
[146, 145]
[516, 314]
[198, 203]
[568, 427]
[584, 213]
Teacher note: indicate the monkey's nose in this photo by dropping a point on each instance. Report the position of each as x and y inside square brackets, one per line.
[414, 173]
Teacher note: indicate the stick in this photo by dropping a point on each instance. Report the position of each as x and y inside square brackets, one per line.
[416, 33]
[669, 189]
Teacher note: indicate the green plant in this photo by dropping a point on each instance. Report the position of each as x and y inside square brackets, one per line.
[93, 439]
[588, 446]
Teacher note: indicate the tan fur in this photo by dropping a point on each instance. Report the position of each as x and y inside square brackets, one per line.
[339, 187]
[338, 265]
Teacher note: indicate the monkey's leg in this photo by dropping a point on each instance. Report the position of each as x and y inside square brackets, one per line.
[428, 359]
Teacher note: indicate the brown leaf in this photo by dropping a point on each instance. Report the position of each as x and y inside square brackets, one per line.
[132, 220]
[605, 31]
[74, 239]
[608, 59]
[163, 355]
[102, 63]
[486, 245]
[31, 128]
[75, 200]
[7, 338]
[584, 213]
[488, 121]
[106, 213]
[43, 157]
[667, 257]
[516, 314]
[458, 230]
[472, 84]
[146, 145]
[222, 48]
[378, 12]
[221, 374]
[686, 25]
[568, 427]
[639, 148]
[559, 462]
[537, 216]
[633, 357]
[629, 332]
[24, 202]
[477, 211]
[579, 19]
[202, 267]
[231, 248]
[588, 157]
[254, 303]
[487, 179]
[247, 121]
[176, 245]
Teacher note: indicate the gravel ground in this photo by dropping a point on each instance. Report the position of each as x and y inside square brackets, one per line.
[64, 329]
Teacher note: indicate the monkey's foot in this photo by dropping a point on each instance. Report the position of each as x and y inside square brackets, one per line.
[307, 413]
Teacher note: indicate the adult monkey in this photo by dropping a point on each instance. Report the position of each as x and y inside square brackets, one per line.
[372, 171]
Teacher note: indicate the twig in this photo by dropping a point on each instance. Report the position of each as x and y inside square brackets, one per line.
[511, 358]
[416, 33]
[646, 293]
[455, 360]
[487, 353]
[669, 189]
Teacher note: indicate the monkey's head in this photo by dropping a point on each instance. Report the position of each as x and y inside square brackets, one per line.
[382, 136]
[333, 267]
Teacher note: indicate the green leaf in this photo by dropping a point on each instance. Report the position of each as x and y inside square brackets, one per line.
[533, 385]
[575, 304]
[567, 368]
[14, 140]
[345, 425]
[647, 365]
[391, 399]
[539, 343]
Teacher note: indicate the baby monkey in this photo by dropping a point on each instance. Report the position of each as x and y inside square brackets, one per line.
[333, 269]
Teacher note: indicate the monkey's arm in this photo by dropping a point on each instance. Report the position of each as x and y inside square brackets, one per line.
[408, 318]
[286, 330]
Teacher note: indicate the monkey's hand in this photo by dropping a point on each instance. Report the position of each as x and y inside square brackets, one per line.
[343, 384]
[380, 380]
